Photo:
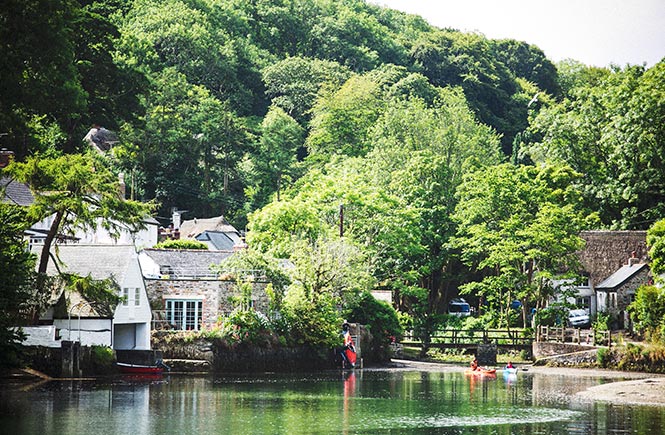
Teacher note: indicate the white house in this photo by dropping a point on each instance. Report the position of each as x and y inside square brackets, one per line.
[145, 238]
[129, 327]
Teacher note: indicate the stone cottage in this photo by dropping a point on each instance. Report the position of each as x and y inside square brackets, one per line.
[616, 292]
[186, 293]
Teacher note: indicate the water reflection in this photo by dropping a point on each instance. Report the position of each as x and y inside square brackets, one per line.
[352, 402]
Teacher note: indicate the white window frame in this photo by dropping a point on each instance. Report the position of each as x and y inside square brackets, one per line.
[184, 314]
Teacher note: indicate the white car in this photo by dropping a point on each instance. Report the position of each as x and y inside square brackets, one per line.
[579, 319]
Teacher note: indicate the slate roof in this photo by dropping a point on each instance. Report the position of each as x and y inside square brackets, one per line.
[187, 262]
[15, 192]
[220, 241]
[98, 261]
[619, 277]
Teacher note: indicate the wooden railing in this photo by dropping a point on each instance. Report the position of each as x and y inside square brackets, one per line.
[573, 335]
[467, 339]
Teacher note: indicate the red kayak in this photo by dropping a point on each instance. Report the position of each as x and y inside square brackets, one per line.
[481, 371]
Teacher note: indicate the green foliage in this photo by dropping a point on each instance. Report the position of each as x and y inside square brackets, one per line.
[103, 358]
[601, 322]
[384, 325]
[252, 261]
[101, 294]
[181, 244]
[648, 312]
[656, 244]
[518, 227]
[602, 357]
[314, 322]
[17, 271]
[81, 192]
[605, 129]
[247, 326]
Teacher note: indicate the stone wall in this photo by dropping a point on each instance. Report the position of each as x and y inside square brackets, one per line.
[216, 295]
[546, 349]
[606, 251]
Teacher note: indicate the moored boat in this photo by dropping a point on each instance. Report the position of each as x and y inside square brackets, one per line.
[140, 369]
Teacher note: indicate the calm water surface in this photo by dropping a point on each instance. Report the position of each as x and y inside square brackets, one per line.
[361, 402]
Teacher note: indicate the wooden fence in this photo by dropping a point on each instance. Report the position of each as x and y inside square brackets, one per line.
[470, 339]
[573, 335]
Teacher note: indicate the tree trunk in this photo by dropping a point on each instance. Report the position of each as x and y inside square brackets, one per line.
[48, 241]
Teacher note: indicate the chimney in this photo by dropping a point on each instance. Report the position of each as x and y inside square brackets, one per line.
[176, 220]
[6, 156]
[633, 259]
[121, 185]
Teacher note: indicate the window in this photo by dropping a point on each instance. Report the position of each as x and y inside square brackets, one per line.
[184, 314]
[125, 297]
[137, 297]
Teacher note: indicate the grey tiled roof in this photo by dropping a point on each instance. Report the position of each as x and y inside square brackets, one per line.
[98, 261]
[15, 192]
[220, 241]
[187, 259]
[620, 276]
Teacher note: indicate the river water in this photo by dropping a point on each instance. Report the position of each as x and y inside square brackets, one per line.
[390, 401]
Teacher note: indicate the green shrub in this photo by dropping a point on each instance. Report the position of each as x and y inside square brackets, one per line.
[382, 319]
[602, 357]
[102, 357]
[314, 322]
[181, 244]
[247, 326]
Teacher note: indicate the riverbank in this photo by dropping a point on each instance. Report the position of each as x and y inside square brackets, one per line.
[626, 388]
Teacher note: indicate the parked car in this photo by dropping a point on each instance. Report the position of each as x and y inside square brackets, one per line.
[459, 307]
[579, 318]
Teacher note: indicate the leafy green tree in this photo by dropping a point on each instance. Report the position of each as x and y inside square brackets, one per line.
[519, 226]
[295, 83]
[605, 130]
[184, 36]
[276, 156]
[529, 62]
[451, 58]
[420, 156]
[190, 150]
[329, 267]
[656, 244]
[17, 270]
[341, 121]
[648, 312]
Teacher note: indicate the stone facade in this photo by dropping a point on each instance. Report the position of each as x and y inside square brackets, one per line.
[215, 294]
[606, 251]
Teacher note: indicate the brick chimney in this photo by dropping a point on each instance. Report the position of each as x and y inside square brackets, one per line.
[633, 259]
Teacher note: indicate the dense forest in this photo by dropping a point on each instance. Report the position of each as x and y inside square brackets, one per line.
[368, 146]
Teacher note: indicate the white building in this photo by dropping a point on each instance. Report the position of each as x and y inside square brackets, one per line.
[72, 317]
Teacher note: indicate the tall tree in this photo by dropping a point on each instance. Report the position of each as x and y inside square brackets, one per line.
[519, 227]
[277, 153]
[17, 267]
[609, 129]
[78, 191]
